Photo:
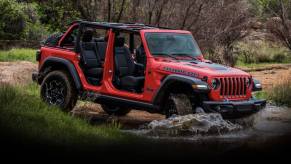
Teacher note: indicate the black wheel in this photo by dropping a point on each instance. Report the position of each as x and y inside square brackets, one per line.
[58, 89]
[115, 110]
[178, 104]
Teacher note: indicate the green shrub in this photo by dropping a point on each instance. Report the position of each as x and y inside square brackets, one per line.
[279, 57]
[12, 20]
[263, 58]
[262, 52]
[281, 92]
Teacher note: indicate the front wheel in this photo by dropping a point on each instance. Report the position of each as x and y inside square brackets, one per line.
[178, 104]
[58, 89]
[115, 110]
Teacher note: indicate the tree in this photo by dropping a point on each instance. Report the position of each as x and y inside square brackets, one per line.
[280, 24]
[57, 14]
[12, 20]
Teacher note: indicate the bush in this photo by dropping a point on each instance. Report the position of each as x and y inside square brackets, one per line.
[12, 20]
[281, 93]
[262, 52]
[279, 58]
[263, 58]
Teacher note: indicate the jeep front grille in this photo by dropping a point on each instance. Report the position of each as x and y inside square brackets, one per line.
[233, 86]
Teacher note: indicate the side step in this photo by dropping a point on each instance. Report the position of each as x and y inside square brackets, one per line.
[100, 98]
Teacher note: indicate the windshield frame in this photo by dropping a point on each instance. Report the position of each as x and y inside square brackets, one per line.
[176, 54]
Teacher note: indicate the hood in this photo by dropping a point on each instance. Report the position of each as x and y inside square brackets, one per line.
[201, 68]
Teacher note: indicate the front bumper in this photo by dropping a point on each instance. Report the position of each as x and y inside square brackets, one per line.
[234, 109]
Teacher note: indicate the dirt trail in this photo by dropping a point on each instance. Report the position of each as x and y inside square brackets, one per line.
[20, 73]
[270, 77]
[16, 72]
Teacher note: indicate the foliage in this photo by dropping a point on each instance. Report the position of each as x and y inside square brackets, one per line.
[34, 29]
[18, 54]
[262, 52]
[12, 20]
[281, 92]
[22, 113]
[57, 14]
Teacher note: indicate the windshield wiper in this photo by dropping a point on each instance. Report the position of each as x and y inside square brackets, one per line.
[165, 54]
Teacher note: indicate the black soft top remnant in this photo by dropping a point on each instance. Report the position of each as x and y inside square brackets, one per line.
[131, 27]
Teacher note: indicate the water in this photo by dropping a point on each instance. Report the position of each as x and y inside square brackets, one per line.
[270, 122]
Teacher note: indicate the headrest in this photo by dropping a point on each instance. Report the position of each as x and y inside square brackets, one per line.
[119, 41]
[87, 36]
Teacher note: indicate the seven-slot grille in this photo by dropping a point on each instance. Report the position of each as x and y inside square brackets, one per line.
[233, 86]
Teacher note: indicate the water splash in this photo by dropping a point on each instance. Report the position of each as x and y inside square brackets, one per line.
[192, 124]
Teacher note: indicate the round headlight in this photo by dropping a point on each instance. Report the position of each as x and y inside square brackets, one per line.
[215, 83]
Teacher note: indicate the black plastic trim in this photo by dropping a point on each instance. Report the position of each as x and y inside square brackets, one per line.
[72, 70]
[232, 109]
[126, 103]
[177, 78]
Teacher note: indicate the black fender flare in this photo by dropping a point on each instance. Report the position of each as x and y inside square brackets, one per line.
[169, 80]
[50, 61]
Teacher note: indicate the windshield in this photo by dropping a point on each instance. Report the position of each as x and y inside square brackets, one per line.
[173, 44]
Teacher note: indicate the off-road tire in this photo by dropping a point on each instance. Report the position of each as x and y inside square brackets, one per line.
[178, 104]
[58, 89]
[115, 110]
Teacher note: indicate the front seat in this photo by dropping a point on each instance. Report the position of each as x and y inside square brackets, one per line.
[126, 69]
[141, 56]
[91, 60]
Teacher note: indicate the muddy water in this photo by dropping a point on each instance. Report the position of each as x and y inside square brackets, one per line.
[270, 122]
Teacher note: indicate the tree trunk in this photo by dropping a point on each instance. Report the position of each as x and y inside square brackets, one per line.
[109, 10]
[121, 11]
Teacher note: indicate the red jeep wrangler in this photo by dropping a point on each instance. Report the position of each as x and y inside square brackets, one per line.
[136, 66]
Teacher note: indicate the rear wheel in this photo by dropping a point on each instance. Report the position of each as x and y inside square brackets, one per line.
[58, 89]
[178, 104]
[115, 110]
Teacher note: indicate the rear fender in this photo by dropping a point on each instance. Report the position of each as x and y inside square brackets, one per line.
[53, 63]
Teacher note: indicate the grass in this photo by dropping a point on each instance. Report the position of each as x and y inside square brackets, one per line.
[22, 113]
[255, 65]
[261, 95]
[19, 54]
[261, 53]
[281, 93]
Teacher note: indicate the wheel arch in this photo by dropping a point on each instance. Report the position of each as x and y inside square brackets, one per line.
[55, 63]
[176, 83]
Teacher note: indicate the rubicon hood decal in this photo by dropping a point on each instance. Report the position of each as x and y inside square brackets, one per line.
[180, 71]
